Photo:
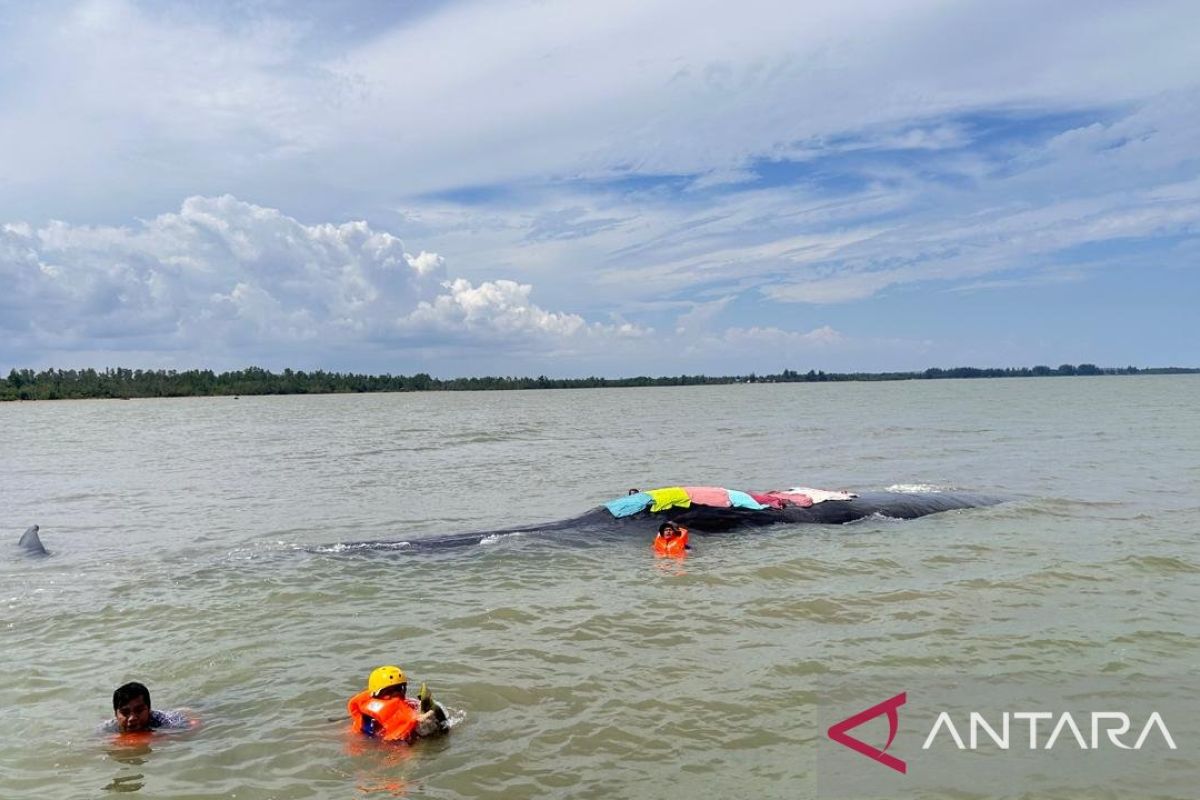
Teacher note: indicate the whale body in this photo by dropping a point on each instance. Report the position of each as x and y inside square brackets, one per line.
[894, 505]
[31, 543]
[598, 523]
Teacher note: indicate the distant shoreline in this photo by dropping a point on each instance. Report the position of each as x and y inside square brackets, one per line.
[121, 383]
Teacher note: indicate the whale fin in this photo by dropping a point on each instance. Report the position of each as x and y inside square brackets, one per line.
[31, 542]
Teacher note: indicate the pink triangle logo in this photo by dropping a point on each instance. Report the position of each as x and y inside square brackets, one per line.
[838, 732]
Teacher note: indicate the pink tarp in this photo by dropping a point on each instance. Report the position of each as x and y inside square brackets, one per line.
[713, 496]
[767, 499]
[781, 499]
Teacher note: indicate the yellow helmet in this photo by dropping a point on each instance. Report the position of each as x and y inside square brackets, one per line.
[384, 677]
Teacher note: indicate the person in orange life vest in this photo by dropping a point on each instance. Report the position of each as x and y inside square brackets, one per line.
[383, 710]
[672, 540]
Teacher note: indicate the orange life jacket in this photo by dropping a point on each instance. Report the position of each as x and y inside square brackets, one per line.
[134, 738]
[671, 546]
[393, 718]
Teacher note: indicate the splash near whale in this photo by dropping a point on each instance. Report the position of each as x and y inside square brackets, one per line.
[707, 509]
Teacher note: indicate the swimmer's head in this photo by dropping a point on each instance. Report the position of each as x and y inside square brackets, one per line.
[131, 707]
[389, 677]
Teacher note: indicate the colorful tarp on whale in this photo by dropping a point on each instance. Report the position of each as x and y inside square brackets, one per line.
[665, 498]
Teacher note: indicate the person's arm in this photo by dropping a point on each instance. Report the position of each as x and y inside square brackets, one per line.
[177, 719]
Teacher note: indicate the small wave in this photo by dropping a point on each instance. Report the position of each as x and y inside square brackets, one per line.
[350, 547]
[1160, 564]
[494, 538]
[877, 516]
[261, 549]
[918, 488]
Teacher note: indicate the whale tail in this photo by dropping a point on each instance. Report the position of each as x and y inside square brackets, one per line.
[31, 542]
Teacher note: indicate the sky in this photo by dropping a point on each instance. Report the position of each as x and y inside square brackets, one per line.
[616, 188]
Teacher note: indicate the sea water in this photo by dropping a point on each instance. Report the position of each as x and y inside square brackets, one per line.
[205, 547]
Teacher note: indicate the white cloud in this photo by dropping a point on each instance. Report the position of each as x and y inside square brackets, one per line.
[494, 307]
[1021, 206]
[522, 118]
[244, 283]
[123, 104]
[660, 87]
[1044, 279]
[425, 263]
[784, 340]
[841, 288]
[224, 283]
[769, 349]
[701, 317]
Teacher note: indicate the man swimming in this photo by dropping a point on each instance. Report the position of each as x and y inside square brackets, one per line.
[132, 712]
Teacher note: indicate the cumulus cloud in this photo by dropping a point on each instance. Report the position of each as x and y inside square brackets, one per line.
[219, 267]
[425, 263]
[224, 283]
[494, 307]
[240, 282]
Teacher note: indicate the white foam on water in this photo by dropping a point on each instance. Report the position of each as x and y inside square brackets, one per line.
[495, 538]
[917, 488]
[349, 547]
[454, 716]
[877, 516]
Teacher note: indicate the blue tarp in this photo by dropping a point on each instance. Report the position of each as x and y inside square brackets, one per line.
[628, 505]
[742, 500]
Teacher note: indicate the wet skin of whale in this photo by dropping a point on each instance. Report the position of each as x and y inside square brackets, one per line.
[600, 524]
[31, 543]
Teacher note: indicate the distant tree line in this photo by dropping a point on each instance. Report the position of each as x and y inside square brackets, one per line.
[71, 384]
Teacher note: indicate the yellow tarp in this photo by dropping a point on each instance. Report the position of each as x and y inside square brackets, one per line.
[671, 497]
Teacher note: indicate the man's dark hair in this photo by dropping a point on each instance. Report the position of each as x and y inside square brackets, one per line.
[130, 691]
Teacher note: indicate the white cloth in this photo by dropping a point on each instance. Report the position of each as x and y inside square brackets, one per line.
[821, 495]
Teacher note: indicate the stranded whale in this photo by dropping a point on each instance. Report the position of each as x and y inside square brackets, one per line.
[31, 543]
[894, 505]
[632, 515]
